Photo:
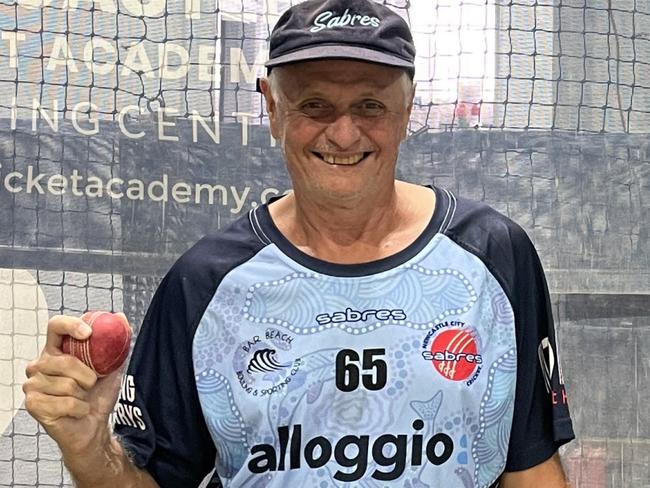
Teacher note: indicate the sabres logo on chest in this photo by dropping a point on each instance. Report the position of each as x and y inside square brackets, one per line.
[453, 348]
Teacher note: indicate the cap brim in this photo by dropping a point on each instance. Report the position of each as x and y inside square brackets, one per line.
[332, 51]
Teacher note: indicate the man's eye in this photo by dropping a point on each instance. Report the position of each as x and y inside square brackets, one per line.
[316, 109]
[370, 108]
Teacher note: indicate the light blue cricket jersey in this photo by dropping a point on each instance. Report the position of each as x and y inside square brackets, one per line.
[435, 367]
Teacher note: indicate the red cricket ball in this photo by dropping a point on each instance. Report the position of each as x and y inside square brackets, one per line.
[108, 346]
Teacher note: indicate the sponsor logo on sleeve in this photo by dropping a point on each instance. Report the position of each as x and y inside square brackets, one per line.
[126, 412]
[548, 361]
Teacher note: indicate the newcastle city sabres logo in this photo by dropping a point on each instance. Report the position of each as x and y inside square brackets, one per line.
[454, 351]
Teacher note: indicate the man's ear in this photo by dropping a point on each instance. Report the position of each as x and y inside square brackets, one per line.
[412, 97]
[409, 109]
[271, 105]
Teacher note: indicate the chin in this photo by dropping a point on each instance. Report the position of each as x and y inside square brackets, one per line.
[341, 192]
[340, 183]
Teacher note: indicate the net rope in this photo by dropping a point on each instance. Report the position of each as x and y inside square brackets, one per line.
[81, 80]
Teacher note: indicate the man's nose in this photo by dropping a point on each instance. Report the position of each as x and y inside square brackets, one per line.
[343, 132]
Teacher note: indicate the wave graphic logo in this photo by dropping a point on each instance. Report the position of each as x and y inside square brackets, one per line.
[264, 361]
[257, 366]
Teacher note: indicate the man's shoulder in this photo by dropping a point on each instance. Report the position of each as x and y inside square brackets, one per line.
[218, 252]
[497, 240]
[477, 225]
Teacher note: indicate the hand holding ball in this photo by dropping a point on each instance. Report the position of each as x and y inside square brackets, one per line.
[108, 346]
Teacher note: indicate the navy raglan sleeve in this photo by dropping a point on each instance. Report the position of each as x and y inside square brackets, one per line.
[158, 417]
[541, 422]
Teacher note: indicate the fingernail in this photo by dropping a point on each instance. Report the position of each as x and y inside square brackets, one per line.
[84, 329]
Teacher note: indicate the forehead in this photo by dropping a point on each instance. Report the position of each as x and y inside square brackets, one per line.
[339, 74]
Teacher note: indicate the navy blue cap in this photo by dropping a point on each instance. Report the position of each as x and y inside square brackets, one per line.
[343, 29]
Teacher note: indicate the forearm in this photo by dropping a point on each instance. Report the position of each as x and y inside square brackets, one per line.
[107, 466]
[548, 474]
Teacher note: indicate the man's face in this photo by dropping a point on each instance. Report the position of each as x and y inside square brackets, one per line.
[339, 124]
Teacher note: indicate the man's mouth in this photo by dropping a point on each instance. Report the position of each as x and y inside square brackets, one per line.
[348, 160]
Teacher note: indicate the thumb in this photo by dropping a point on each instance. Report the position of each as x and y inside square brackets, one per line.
[107, 391]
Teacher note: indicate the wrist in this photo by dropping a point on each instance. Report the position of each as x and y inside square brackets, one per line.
[101, 463]
[88, 446]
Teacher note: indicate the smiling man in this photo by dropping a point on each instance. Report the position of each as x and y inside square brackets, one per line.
[358, 330]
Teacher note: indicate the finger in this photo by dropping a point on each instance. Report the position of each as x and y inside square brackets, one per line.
[55, 386]
[60, 326]
[47, 409]
[64, 365]
[32, 368]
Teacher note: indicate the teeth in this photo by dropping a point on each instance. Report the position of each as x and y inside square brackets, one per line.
[354, 159]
